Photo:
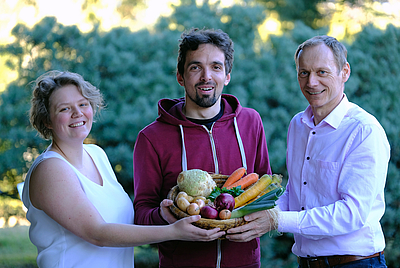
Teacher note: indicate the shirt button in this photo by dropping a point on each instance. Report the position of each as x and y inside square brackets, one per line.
[305, 183]
[308, 158]
[313, 132]
[302, 208]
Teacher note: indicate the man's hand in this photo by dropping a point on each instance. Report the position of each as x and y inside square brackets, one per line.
[165, 212]
[259, 223]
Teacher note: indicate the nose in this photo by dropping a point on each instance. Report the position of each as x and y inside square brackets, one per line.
[76, 111]
[206, 75]
[312, 80]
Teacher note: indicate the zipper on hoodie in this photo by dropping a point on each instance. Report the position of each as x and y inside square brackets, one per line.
[219, 253]
[214, 153]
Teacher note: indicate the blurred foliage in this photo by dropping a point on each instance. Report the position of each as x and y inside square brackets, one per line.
[314, 13]
[10, 207]
[301, 10]
[146, 256]
[136, 69]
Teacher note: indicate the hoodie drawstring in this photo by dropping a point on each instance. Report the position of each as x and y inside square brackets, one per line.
[238, 137]
[244, 163]
[241, 147]
[184, 159]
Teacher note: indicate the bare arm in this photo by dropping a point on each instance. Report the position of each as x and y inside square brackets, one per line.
[55, 189]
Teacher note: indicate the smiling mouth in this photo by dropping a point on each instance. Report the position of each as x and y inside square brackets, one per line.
[206, 88]
[77, 124]
[315, 93]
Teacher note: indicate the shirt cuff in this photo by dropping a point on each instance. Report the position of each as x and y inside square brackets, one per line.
[288, 222]
[160, 219]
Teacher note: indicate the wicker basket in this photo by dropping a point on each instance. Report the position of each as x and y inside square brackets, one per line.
[203, 222]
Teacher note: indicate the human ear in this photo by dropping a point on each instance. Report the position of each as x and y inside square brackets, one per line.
[227, 79]
[180, 79]
[346, 72]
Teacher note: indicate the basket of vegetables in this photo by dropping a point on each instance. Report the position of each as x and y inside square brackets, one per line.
[223, 200]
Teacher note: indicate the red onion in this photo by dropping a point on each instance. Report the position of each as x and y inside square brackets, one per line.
[209, 212]
[224, 201]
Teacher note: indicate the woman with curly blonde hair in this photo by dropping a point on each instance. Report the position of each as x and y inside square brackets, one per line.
[80, 215]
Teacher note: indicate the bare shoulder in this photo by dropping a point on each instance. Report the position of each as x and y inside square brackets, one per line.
[52, 169]
[53, 177]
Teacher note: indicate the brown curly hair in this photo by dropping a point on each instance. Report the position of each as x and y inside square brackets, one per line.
[45, 85]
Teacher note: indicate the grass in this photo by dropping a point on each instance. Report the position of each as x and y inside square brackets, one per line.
[16, 250]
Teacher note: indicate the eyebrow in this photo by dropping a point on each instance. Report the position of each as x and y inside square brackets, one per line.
[218, 62]
[67, 103]
[198, 62]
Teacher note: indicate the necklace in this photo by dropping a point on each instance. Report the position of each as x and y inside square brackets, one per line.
[78, 167]
[59, 149]
[83, 169]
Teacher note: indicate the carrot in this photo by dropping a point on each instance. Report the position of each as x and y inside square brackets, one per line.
[235, 176]
[253, 191]
[276, 180]
[268, 189]
[245, 182]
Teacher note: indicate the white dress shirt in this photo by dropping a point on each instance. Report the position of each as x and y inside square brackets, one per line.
[334, 198]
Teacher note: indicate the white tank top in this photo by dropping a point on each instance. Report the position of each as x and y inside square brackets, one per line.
[58, 247]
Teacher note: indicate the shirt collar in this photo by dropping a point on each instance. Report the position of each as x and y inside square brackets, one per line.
[333, 119]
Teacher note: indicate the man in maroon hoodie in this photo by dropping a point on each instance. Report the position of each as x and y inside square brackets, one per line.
[205, 130]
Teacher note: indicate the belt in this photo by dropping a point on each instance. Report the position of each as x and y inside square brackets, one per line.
[321, 262]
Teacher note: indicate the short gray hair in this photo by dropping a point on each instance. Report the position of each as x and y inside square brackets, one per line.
[338, 49]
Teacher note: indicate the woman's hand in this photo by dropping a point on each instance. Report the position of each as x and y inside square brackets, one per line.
[185, 230]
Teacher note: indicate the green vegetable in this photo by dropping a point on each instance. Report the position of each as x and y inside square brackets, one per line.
[267, 201]
[217, 191]
[195, 182]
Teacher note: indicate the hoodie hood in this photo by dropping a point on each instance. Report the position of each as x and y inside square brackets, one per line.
[170, 110]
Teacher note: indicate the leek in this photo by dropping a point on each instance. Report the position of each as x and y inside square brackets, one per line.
[267, 201]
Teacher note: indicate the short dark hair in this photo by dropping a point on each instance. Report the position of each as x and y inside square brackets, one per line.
[45, 85]
[190, 40]
[338, 49]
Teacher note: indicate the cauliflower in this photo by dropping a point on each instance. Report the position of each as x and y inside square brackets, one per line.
[196, 182]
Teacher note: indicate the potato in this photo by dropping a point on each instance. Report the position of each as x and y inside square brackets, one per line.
[198, 197]
[185, 195]
[200, 202]
[181, 194]
[182, 203]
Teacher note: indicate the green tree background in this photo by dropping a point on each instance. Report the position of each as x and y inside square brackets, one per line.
[136, 69]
